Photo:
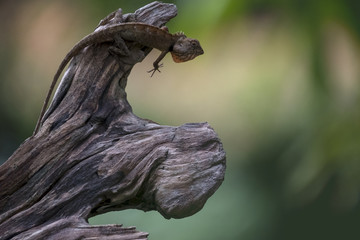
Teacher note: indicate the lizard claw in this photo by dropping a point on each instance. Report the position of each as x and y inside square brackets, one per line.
[156, 68]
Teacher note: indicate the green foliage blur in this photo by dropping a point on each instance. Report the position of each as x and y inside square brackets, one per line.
[279, 82]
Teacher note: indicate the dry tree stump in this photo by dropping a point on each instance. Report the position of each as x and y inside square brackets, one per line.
[92, 155]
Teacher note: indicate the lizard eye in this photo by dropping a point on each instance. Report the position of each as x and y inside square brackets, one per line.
[194, 44]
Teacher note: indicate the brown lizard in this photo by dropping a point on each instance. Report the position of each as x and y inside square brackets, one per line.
[181, 47]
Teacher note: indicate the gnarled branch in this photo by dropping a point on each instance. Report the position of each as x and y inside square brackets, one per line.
[93, 155]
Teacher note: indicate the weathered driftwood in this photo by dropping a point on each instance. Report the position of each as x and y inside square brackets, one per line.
[93, 155]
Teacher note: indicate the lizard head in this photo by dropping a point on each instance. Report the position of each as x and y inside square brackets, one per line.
[186, 49]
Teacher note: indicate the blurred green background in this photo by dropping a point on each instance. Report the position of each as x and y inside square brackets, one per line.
[279, 82]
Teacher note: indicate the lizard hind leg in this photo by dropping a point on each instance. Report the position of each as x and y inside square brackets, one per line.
[113, 18]
[120, 48]
[121, 52]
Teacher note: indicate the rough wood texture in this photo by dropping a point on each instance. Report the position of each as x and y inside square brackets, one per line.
[93, 155]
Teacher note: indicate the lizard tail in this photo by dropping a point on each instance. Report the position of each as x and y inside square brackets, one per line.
[47, 99]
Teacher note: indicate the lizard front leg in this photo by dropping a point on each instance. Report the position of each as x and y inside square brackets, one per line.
[156, 63]
[161, 56]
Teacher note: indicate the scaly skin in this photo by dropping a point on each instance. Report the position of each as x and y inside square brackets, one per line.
[181, 48]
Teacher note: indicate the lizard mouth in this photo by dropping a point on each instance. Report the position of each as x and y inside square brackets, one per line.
[187, 57]
[200, 51]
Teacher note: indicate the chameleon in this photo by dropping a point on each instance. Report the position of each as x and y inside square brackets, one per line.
[182, 48]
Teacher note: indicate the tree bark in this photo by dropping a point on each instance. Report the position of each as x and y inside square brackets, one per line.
[92, 155]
